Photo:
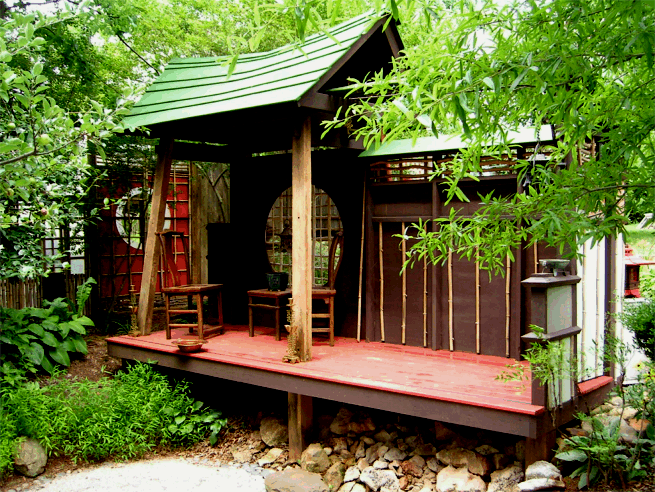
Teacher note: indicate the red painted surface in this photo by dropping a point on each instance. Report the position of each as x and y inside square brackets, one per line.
[441, 375]
[593, 384]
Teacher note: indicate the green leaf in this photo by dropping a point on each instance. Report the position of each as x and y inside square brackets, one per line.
[572, 455]
[584, 481]
[47, 365]
[80, 345]
[36, 353]
[60, 355]
[518, 80]
[179, 419]
[197, 405]
[77, 327]
[50, 339]
[37, 330]
[489, 83]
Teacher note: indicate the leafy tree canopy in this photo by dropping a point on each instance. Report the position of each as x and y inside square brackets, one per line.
[583, 66]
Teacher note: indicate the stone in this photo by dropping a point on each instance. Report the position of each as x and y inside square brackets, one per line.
[361, 426]
[425, 450]
[617, 401]
[535, 484]
[341, 422]
[627, 433]
[395, 454]
[629, 413]
[433, 464]
[411, 468]
[376, 479]
[486, 450]
[418, 461]
[443, 433]
[334, 475]
[452, 479]
[403, 482]
[313, 459]
[295, 480]
[367, 440]
[412, 441]
[504, 480]
[500, 461]
[347, 487]
[638, 424]
[352, 474]
[270, 457]
[243, 456]
[383, 436]
[380, 465]
[360, 451]
[359, 488]
[334, 458]
[339, 444]
[362, 464]
[375, 452]
[30, 458]
[273, 431]
[542, 469]
[474, 462]
[328, 450]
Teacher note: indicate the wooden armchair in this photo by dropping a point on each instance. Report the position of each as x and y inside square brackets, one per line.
[327, 292]
[174, 287]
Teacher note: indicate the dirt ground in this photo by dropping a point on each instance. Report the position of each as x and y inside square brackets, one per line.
[241, 433]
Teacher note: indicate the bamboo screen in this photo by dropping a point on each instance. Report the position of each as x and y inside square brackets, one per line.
[325, 223]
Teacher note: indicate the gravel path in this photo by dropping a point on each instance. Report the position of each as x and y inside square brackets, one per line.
[165, 474]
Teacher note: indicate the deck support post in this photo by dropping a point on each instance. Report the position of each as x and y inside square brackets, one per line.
[155, 224]
[540, 448]
[300, 423]
[302, 272]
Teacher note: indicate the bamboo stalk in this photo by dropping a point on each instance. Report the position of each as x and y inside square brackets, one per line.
[361, 265]
[425, 301]
[583, 321]
[381, 283]
[508, 273]
[598, 303]
[404, 300]
[451, 339]
[536, 258]
[477, 300]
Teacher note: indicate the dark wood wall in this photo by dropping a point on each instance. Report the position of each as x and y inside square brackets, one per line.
[237, 255]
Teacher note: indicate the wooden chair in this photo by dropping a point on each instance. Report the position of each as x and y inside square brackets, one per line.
[327, 293]
[204, 328]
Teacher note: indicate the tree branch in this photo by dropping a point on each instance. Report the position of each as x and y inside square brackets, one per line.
[137, 54]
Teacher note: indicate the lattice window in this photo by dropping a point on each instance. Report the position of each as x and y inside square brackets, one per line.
[325, 223]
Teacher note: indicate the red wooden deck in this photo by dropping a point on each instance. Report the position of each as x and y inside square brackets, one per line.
[452, 387]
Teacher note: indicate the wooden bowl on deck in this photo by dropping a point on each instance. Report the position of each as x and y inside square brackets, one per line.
[189, 345]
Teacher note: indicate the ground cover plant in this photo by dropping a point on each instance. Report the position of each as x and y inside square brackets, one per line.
[36, 339]
[118, 418]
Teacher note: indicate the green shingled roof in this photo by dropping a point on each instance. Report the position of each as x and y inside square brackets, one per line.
[191, 87]
[428, 145]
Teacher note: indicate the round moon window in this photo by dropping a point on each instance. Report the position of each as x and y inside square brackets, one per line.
[326, 222]
[132, 211]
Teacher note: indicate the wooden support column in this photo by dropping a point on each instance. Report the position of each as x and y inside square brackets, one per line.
[301, 257]
[300, 423]
[155, 224]
[540, 448]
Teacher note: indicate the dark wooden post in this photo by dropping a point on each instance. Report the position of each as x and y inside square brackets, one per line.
[300, 423]
[301, 257]
[155, 224]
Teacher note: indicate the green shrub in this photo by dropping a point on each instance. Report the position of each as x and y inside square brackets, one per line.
[639, 318]
[42, 338]
[120, 418]
[647, 283]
